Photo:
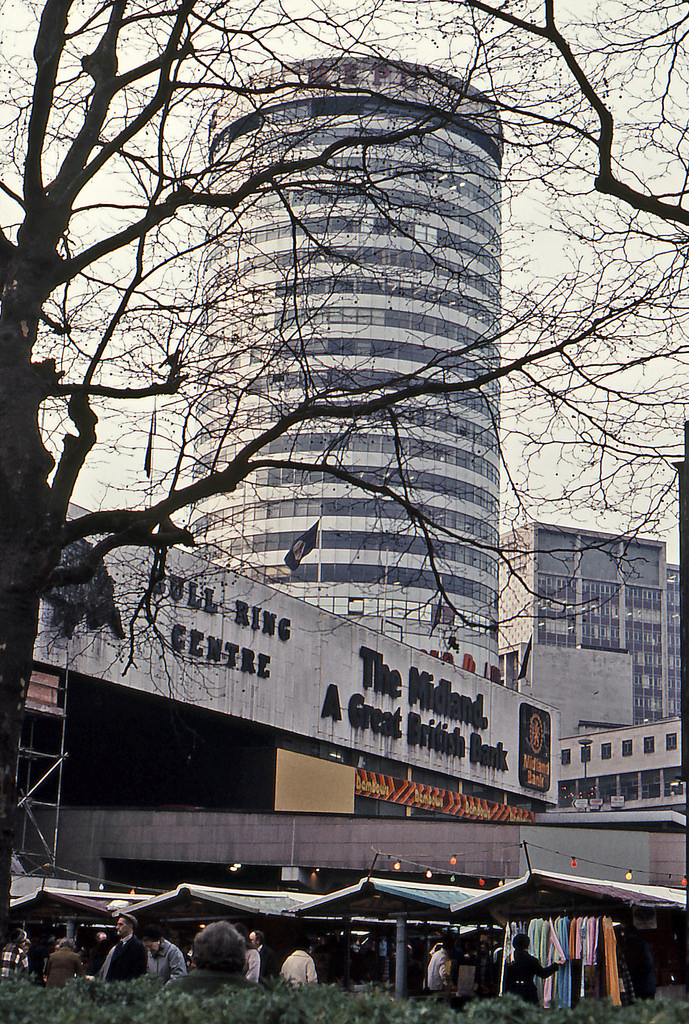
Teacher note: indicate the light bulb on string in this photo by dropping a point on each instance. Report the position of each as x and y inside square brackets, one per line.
[453, 859]
[481, 881]
[629, 874]
[397, 865]
[429, 873]
[574, 862]
[684, 880]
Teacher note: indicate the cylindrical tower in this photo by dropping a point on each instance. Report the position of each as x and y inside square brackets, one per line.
[380, 270]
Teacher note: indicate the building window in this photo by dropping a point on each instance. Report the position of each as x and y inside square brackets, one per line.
[586, 789]
[650, 784]
[629, 785]
[672, 784]
[566, 756]
[607, 787]
[586, 752]
[649, 744]
[671, 741]
[605, 751]
[626, 748]
[566, 793]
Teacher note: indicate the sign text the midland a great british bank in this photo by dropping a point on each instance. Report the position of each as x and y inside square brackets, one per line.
[438, 718]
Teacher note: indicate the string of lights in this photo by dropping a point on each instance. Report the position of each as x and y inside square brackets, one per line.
[399, 861]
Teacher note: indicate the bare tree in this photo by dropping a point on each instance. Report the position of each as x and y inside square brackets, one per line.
[593, 108]
[140, 150]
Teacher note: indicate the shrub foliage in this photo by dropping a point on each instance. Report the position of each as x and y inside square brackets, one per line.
[140, 1002]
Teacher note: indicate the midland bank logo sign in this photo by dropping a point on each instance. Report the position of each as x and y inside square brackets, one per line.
[534, 748]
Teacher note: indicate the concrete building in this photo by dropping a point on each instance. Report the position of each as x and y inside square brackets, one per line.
[256, 740]
[369, 274]
[590, 688]
[588, 591]
[242, 704]
[637, 768]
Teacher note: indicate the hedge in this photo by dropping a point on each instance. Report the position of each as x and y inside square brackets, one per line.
[143, 1002]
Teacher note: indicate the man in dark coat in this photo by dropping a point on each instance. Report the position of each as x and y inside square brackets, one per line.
[127, 959]
[641, 964]
[270, 965]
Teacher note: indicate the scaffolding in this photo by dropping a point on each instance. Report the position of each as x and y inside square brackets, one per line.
[39, 772]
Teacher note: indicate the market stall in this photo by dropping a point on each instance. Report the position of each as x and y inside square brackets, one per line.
[592, 925]
[372, 902]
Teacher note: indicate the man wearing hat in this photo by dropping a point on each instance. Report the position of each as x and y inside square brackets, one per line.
[165, 961]
[127, 959]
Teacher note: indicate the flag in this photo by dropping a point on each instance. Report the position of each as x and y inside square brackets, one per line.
[525, 660]
[436, 616]
[149, 447]
[302, 546]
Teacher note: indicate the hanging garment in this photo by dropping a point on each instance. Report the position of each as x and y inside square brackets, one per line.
[612, 981]
[554, 952]
[564, 972]
[573, 933]
[581, 931]
[510, 932]
[592, 929]
[539, 949]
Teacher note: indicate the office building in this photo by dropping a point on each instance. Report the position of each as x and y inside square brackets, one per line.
[586, 590]
[384, 267]
[635, 768]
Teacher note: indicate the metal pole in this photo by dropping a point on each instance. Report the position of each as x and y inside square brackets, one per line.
[683, 468]
[348, 952]
[63, 755]
[41, 781]
[401, 958]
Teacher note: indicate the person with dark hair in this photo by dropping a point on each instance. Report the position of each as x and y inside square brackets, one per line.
[165, 960]
[640, 962]
[38, 956]
[520, 973]
[127, 959]
[270, 968]
[484, 968]
[300, 968]
[14, 959]
[63, 964]
[99, 951]
[220, 957]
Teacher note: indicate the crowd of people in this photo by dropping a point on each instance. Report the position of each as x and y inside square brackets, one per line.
[456, 969]
[221, 954]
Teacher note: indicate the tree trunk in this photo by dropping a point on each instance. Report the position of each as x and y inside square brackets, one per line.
[30, 545]
[18, 626]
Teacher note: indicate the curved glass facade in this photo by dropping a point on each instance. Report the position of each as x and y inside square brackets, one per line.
[380, 271]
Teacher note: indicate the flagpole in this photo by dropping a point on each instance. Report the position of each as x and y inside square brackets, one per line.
[320, 553]
[320, 542]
